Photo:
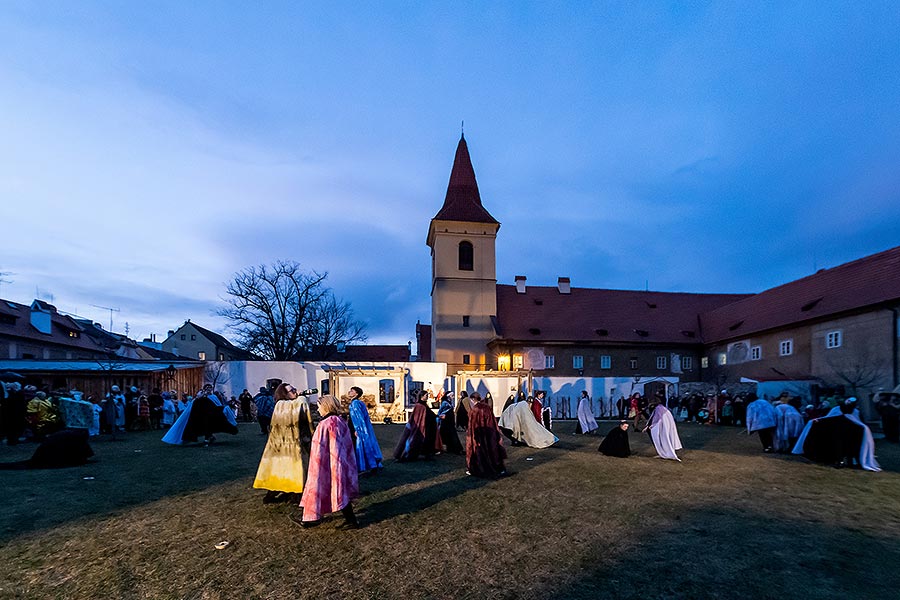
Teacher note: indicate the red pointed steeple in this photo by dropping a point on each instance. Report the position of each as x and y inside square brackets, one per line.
[463, 202]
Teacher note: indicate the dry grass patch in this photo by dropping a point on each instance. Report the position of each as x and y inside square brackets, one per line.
[727, 522]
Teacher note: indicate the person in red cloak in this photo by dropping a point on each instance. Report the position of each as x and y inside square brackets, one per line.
[537, 406]
[484, 451]
[419, 437]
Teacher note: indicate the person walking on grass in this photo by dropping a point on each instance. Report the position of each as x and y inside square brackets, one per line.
[663, 432]
[586, 421]
[280, 469]
[368, 452]
[265, 405]
[484, 451]
[333, 481]
[762, 418]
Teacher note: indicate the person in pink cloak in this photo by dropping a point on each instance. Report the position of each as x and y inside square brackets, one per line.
[332, 482]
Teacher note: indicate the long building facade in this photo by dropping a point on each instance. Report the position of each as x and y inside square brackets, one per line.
[838, 327]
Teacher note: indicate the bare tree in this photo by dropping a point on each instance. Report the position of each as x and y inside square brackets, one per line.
[331, 324]
[858, 371]
[216, 373]
[281, 312]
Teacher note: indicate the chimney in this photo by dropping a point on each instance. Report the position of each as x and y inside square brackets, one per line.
[171, 333]
[40, 318]
[563, 284]
[520, 284]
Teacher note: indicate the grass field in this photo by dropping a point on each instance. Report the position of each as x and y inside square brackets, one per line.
[727, 522]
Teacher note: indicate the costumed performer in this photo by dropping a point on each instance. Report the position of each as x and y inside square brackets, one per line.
[463, 406]
[368, 452]
[616, 442]
[586, 421]
[447, 425]
[204, 416]
[843, 439]
[537, 406]
[484, 450]
[281, 466]
[419, 437]
[763, 419]
[664, 433]
[790, 426]
[517, 422]
[333, 475]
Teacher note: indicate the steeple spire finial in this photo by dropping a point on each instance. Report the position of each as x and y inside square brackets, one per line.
[462, 130]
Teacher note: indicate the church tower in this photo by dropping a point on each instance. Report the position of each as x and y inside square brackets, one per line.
[462, 237]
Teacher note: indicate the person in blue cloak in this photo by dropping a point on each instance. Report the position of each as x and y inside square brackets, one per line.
[368, 453]
[762, 418]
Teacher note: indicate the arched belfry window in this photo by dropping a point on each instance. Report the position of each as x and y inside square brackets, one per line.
[466, 256]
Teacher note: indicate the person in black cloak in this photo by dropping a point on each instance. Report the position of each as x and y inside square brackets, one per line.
[66, 448]
[616, 442]
[462, 411]
[447, 425]
[834, 440]
[12, 410]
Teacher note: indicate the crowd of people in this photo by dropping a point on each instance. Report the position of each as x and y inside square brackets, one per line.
[314, 455]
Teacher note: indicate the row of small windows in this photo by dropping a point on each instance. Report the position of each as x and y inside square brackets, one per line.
[662, 362]
[833, 339]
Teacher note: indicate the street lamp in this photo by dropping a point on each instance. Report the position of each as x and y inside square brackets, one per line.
[170, 373]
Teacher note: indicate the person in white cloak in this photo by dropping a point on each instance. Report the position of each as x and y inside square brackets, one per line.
[763, 419]
[866, 456]
[519, 424]
[789, 427]
[849, 402]
[664, 433]
[586, 421]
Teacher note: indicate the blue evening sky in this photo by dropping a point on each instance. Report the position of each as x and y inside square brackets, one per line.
[151, 149]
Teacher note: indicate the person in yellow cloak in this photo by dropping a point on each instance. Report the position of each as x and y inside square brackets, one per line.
[281, 467]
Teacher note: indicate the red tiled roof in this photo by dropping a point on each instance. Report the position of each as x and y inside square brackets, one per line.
[865, 282]
[587, 315]
[61, 325]
[386, 353]
[463, 202]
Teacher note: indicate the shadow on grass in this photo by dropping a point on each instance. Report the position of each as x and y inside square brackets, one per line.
[718, 552]
[418, 499]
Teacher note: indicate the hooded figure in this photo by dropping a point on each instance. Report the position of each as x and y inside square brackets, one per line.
[789, 427]
[586, 421]
[841, 439]
[66, 448]
[616, 442]
[333, 475]
[763, 419]
[447, 425]
[664, 433]
[281, 467]
[517, 422]
[419, 437]
[204, 416]
[368, 452]
[463, 406]
[484, 451]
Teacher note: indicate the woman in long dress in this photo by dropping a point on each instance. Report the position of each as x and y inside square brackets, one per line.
[281, 467]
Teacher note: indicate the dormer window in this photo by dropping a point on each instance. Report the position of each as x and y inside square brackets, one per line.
[466, 256]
